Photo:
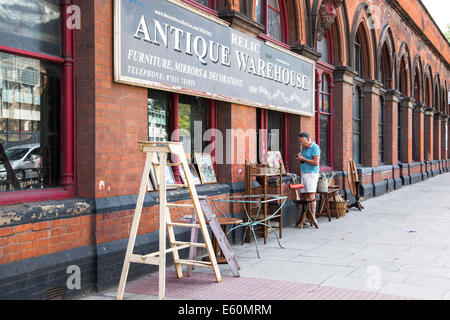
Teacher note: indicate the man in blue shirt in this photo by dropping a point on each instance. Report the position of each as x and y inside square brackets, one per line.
[309, 166]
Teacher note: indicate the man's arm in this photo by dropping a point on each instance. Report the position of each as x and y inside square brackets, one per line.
[314, 162]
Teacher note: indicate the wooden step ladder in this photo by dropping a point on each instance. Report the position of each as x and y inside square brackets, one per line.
[152, 149]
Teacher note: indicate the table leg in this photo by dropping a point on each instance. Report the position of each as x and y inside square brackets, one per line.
[322, 203]
[335, 204]
[327, 207]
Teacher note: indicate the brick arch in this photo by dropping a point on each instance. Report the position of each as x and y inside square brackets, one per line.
[297, 15]
[368, 39]
[404, 69]
[417, 70]
[340, 30]
[386, 53]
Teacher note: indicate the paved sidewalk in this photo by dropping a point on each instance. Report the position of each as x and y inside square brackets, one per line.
[397, 248]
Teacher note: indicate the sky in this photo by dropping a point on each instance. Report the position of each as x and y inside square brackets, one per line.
[439, 10]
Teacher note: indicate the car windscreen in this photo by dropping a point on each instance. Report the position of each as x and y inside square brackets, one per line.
[16, 154]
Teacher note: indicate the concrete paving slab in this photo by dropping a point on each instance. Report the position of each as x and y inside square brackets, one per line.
[408, 241]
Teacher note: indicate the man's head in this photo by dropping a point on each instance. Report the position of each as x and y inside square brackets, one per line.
[304, 139]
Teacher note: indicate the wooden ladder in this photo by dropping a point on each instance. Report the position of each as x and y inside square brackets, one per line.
[151, 149]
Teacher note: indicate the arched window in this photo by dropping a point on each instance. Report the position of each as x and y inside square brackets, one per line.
[417, 86]
[386, 80]
[402, 85]
[358, 56]
[272, 14]
[361, 65]
[427, 99]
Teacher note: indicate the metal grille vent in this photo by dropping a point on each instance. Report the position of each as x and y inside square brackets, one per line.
[54, 294]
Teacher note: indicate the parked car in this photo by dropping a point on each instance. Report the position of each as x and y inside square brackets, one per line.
[25, 160]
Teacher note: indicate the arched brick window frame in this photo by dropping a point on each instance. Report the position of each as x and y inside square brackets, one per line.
[428, 101]
[362, 61]
[404, 87]
[324, 101]
[417, 93]
[387, 77]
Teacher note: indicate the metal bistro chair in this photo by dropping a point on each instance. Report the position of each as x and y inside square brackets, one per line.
[252, 222]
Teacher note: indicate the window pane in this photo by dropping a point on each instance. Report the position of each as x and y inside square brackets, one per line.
[358, 60]
[381, 129]
[192, 122]
[259, 9]
[273, 4]
[356, 106]
[356, 126]
[274, 25]
[356, 148]
[326, 104]
[30, 114]
[324, 139]
[158, 115]
[274, 134]
[322, 47]
[202, 2]
[399, 136]
[325, 85]
[32, 25]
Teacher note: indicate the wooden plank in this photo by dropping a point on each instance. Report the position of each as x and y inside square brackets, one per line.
[184, 225]
[180, 205]
[162, 225]
[145, 260]
[173, 247]
[195, 263]
[221, 237]
[192, 244]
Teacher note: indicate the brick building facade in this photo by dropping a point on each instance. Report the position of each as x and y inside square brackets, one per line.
[381, 98]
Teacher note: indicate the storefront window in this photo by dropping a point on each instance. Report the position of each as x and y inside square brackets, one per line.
[32, 25]
[274, 130]
[192, 121]
[30, 112]
[158, 115]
